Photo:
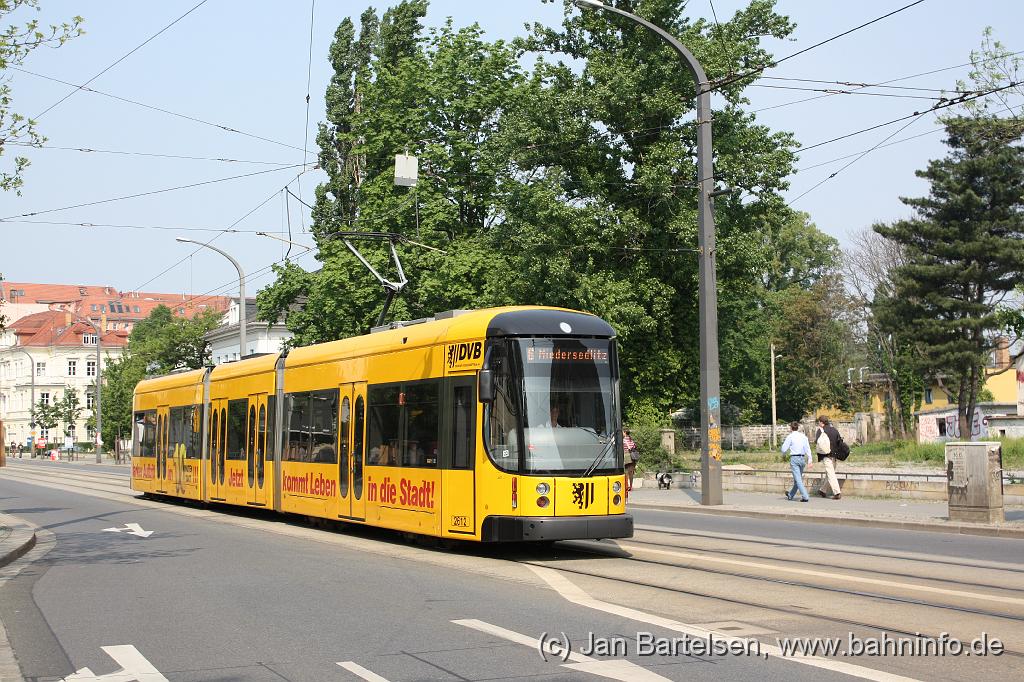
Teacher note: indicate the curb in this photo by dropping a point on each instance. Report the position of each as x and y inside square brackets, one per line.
[20, 541]
[953, 528]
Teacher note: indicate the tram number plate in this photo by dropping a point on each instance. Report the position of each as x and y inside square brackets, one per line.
[460, 522]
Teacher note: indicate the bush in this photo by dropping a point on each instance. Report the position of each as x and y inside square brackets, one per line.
[933, 453]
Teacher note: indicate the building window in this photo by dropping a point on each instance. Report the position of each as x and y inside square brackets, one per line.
[90, 400]
[90, 368]
[90, 433]
[40, 369]
[71, 431]
[95, 308]
[928, 396]
[44, 398]
[44, 433]
[136, 309]
[89, 339]
[72, 367]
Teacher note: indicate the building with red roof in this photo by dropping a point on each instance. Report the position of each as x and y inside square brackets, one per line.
[47, 349]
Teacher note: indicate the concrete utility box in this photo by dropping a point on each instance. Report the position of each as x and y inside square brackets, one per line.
[975, 486]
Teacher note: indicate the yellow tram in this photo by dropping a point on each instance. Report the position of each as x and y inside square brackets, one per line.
[489, 425]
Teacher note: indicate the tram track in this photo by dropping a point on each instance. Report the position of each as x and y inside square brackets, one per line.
[823, 565]
[108, 483]
[787, 611]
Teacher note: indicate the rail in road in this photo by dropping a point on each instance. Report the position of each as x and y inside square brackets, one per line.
[742, 585]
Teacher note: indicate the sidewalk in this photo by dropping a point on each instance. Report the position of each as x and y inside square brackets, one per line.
[875, 512]
[16, 538]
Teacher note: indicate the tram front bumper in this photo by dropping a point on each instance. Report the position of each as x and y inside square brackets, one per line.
[546, 528]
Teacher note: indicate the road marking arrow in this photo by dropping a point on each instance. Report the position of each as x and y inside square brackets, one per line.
[134, 666]
[131, 529]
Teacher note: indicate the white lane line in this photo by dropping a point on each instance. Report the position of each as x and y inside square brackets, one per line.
[572, 593]
[360, 671]
[618, 669]
[842, 577]
[786, 542]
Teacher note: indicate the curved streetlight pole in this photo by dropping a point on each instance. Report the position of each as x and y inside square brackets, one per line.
[241, 292]
[32, 404]
[99, 381]
[710, 400]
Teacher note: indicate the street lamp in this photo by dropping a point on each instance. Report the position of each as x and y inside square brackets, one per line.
[710, 400]
[774, 357]
[241, 291]
[32, 403]
[99, 382]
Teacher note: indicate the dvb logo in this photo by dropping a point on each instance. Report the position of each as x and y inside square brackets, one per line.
[459, 353]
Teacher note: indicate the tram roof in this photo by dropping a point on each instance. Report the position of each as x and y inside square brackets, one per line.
[168, 381]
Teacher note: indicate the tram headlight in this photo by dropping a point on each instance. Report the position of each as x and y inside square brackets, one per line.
[543, 501]
[543, 488]
[617, 500]
[617, 486]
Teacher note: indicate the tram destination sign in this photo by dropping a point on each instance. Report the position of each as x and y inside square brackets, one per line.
[545, 355]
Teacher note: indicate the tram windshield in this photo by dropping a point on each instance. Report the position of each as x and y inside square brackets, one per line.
[559, 397]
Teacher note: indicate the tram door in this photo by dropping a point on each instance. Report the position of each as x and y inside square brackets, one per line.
[218, 445]
[163, 438]
[351, 444]
[256, 448]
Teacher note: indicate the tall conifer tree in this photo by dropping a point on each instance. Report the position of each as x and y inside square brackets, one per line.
[965, 254]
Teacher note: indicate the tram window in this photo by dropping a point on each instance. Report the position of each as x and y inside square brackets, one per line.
[271, 428]
[462, 427]
[236, 428]
[195, 420]
[214, 443]
[357, 449]
[385, 425]
[323, 429]
[296, 420]
[251, 433]
[145, 433]
[176, 428]
[422, 412]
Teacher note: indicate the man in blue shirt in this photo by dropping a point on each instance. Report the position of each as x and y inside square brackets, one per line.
[799, 456]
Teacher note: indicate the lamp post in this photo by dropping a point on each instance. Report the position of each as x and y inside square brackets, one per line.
[99, 382]
[32, 403]
[774, 418]
[710, 400]
[241, 292]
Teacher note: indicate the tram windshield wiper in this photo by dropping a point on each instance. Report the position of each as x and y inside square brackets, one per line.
[608, 446]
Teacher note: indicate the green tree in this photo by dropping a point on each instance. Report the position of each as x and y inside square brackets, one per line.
[17, 42]
[68, 409]
[45, 415]
[566, 185]
[964, 254]
[158, 344]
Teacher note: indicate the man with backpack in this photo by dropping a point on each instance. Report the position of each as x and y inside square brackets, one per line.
[830, 447]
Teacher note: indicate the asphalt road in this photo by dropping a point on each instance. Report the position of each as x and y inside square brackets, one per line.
[214, 595]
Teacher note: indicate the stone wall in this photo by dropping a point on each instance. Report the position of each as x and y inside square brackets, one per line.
[756, 436]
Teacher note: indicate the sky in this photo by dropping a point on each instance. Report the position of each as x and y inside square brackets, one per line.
[245, 66]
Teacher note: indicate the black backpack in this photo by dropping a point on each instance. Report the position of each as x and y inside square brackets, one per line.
[842, 450]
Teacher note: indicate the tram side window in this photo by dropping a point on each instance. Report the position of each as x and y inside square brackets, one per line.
[145, 433]
[323, 430]
[237, 410]
[271, 428]
[195, 421]
[296, 429]
[176, 428]
[422, 413]
[385, 426]
[462, 427]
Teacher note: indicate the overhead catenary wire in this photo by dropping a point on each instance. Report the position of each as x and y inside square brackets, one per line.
[149, 193]
[121, 226]
[771, 65]
[887, 83]
[116, 62]
[161, 110]
[224, 231]
[90, 150]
